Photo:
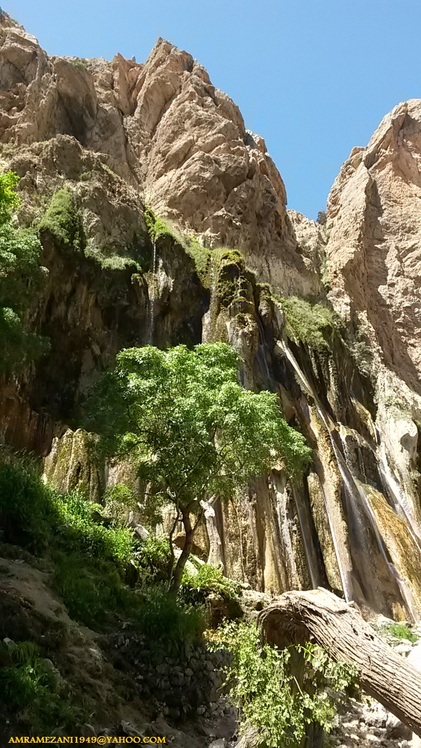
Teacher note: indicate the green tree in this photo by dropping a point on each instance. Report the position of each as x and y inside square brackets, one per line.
[193, 432]
[20, 278]
[9, 200]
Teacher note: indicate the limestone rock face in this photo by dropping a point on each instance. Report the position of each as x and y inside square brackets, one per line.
[117, 135]
[167, 130]
[374, 247]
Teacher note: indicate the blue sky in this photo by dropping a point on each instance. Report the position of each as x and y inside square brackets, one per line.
[313, 77]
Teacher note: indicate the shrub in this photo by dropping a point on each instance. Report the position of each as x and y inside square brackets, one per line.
[9, 200]
[24, 502]
[63, 221]
[263, 685]
[119, 500]
[88, 557]
[169, 624]
[157, 228]
[153, 559]
[196, 587]
[76, 529]
[33, 514]
[92, 590]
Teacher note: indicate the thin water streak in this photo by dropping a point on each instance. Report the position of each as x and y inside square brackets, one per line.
[152, 297]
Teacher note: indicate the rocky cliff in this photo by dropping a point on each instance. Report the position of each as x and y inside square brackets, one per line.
[112, 137]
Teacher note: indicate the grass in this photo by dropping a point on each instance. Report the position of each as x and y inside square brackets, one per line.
[31, 688]
[170, 624]
[89, 556]
[399, 631]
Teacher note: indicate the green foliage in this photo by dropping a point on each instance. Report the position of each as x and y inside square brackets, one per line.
[308, 323]
[202, 258]
[30, 687]
[80, 62]
[263, 685]
[91, 588]
[399, 631]
[191, 430]
[164, 410]
[19, 346]
[34, 515]
[153, 559]
[76, 529]
[62, 219]
[117, 262]
[197, 587]
[157, 228]
[165, 621]
[88, 557]
[24, 503]
[119, 500]
[9, 200]
[20, 279]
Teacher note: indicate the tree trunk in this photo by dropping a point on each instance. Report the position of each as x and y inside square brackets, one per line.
[339, 628]
[185, 553]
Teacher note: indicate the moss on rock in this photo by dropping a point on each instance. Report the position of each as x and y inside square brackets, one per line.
[63, 220]
[311, 324]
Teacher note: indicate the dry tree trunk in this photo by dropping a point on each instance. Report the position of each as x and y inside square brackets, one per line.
[318, 615]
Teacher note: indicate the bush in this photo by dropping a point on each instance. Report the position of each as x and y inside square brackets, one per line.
[32, 514]
[157, 228]
[76, 529]
[119, 500]
[24, 503]
[197, 587]
[88, 557]
[63, 221]
[154, 559]
[92, 590]
[9, 200]
[169, 624]
[263, 684]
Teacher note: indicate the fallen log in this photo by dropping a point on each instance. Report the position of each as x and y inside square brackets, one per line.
[320, 616]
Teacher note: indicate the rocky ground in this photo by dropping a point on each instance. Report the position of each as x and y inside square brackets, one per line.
[114, 674]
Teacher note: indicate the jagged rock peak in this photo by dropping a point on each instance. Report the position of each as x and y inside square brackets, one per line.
[168, 131]
[374, 246]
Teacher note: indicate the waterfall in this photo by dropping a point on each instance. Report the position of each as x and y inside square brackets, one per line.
[397, 496]
[152, 296]
[284, 529]
[338, 547]
[261, 353]
[355, 497]
[309, 550]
